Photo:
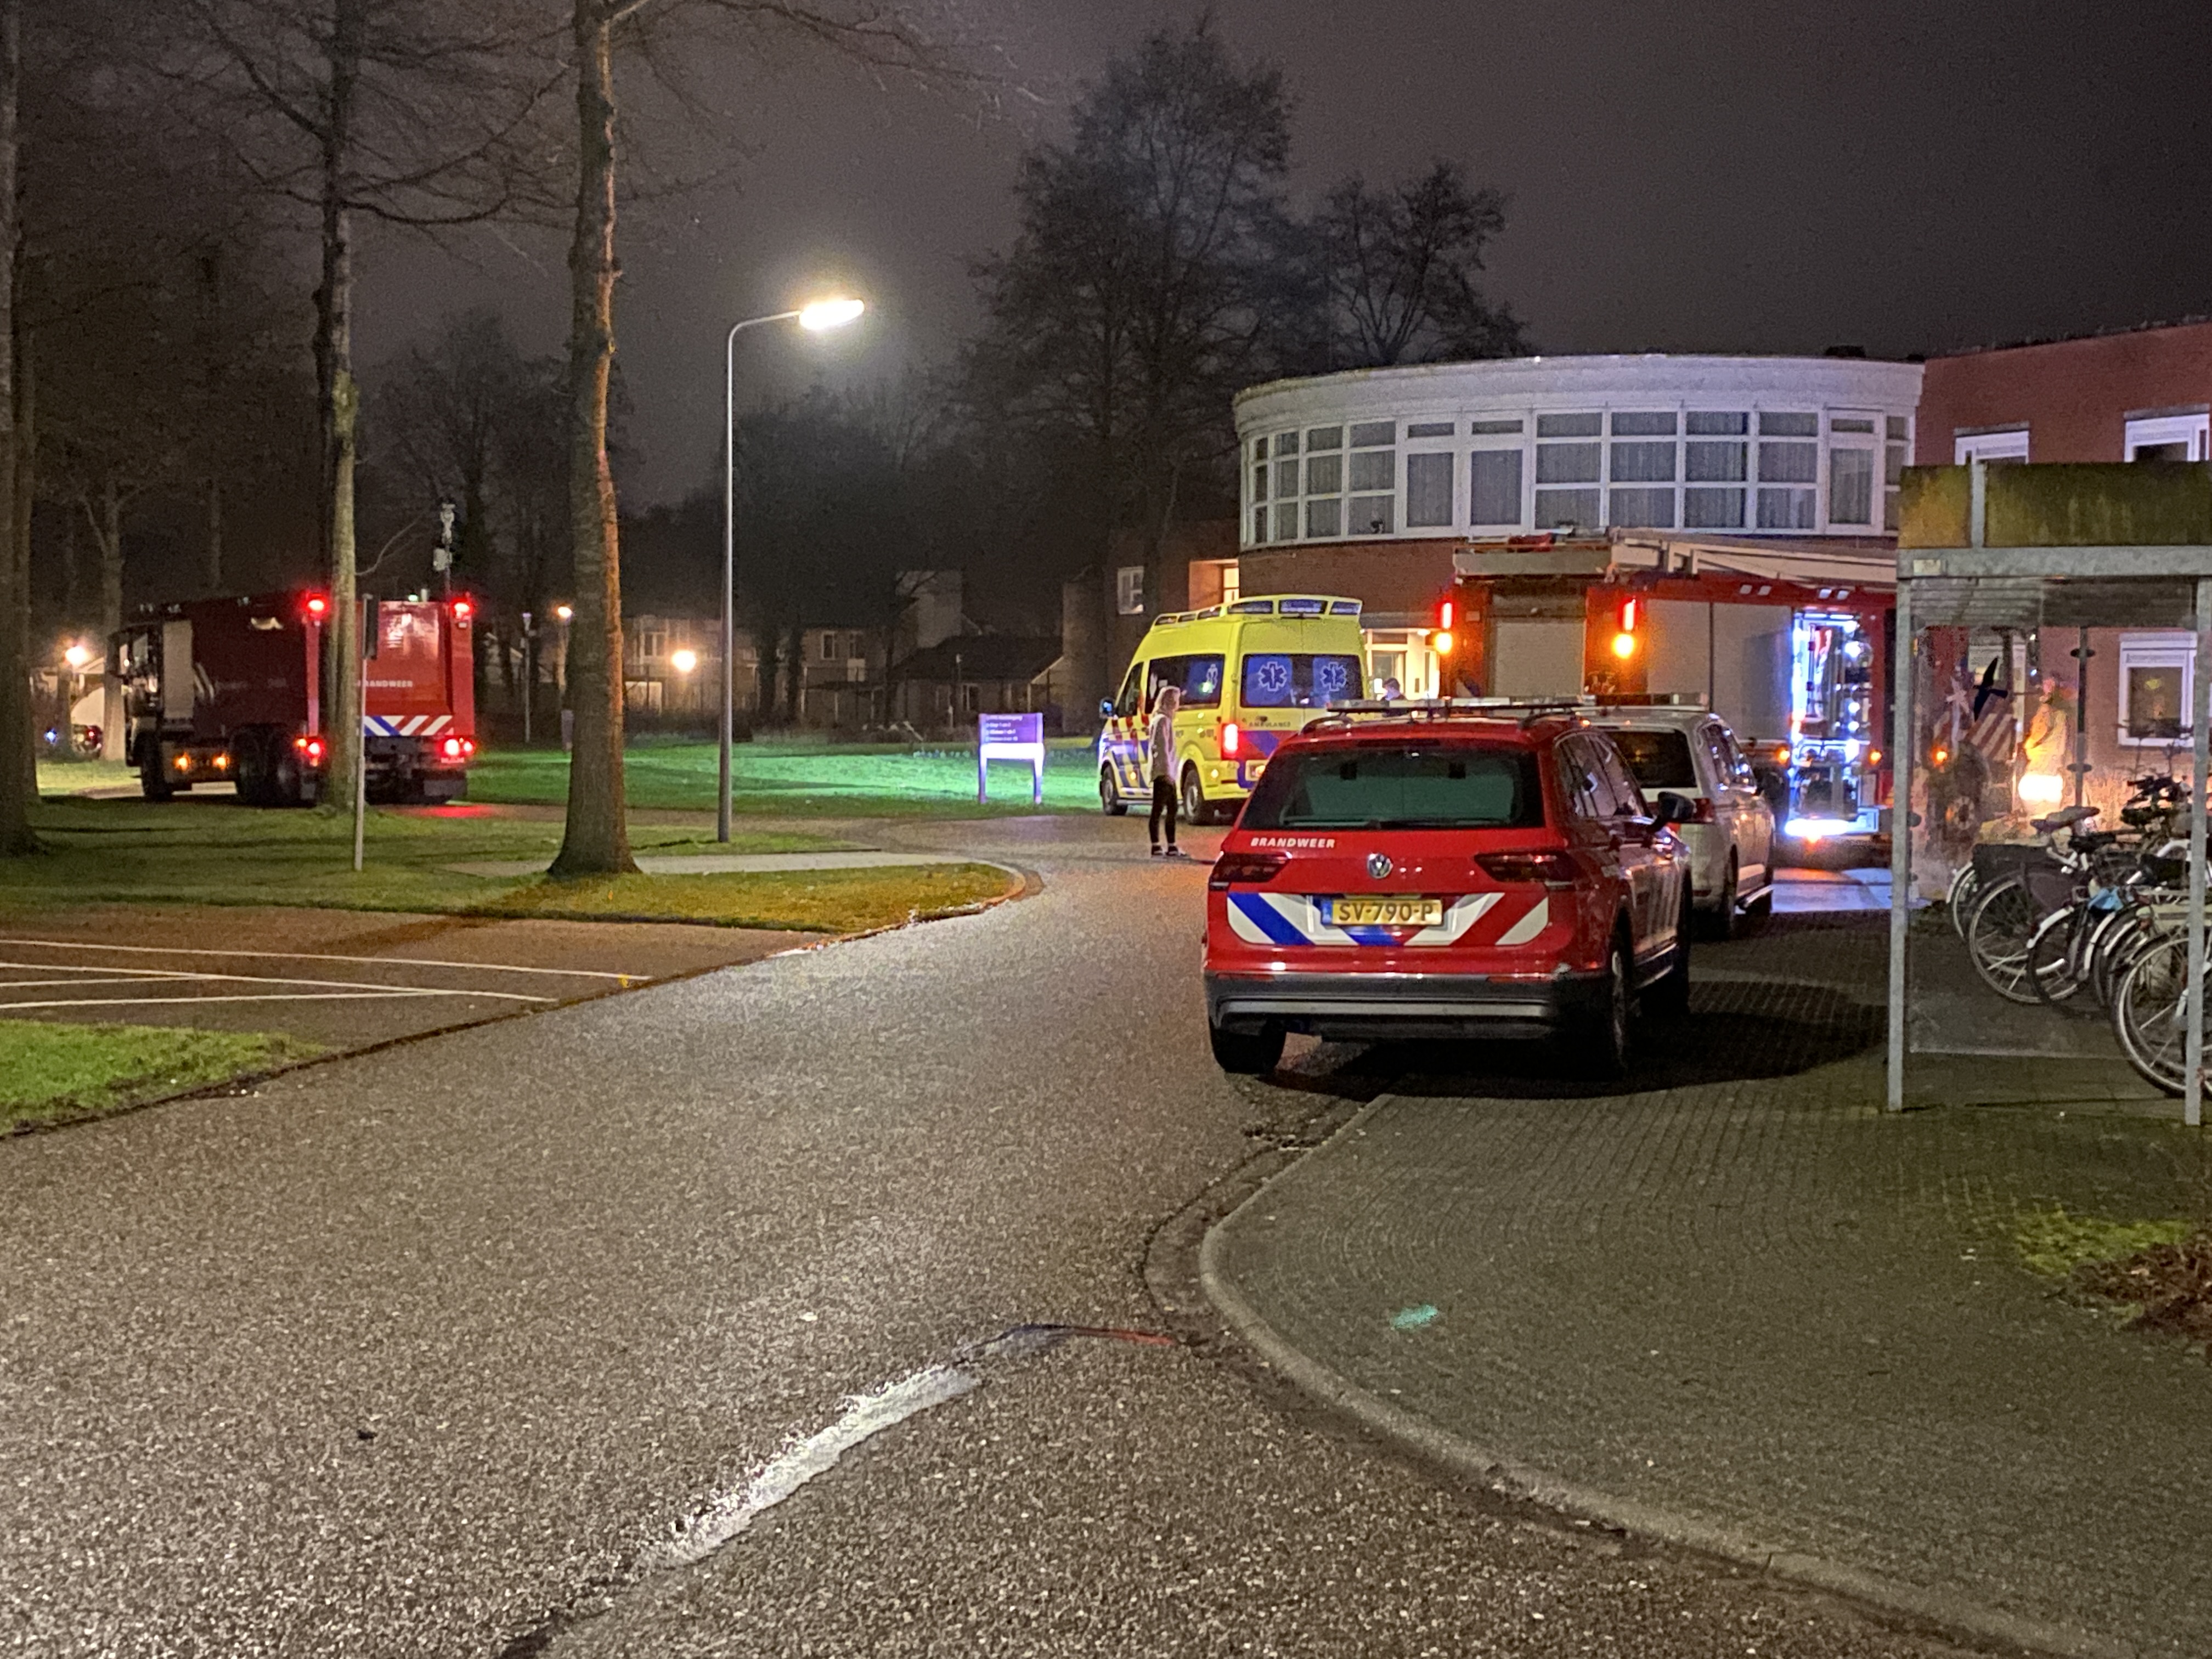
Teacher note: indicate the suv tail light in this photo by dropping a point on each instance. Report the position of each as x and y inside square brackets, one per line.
[1232, 740]
[1552, 869]
[1233, 869]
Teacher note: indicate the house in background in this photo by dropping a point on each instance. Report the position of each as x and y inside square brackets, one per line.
[2143, 394]
[953, 681]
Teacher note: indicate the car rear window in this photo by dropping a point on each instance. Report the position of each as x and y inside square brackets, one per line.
[1419, 787]
[1661, 760]
[1298, 679]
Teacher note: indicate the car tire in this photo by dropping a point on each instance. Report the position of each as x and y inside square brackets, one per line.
[1669, 996]
[1246, 1053]
[1194, 809]
[1599, 1039]
[1109, 800]
[1720, 921]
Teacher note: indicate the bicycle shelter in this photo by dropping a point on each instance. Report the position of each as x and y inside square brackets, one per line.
[2054, 643]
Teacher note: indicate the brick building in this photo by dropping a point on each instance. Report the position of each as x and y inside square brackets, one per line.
[2139, 395]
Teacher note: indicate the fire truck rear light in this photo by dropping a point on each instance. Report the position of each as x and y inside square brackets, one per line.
[1232, 740]
[1552, 869]
[452, 748]
[311, 747]
[317, 605]
[1245, 869]
[463, 610]
[184, 763]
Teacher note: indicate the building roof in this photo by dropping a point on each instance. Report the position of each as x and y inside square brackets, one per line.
[980, 657]
[2111, 332]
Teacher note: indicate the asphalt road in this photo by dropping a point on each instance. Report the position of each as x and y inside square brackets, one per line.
[438, 1350]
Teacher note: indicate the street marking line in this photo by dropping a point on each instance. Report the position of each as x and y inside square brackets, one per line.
[142, 978]
[865, 1415]
[174, 974]
[309, 956]
[247, 996]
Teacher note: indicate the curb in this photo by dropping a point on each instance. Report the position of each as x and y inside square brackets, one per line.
[1500, 1473]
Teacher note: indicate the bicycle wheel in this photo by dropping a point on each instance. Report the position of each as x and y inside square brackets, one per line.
[2111, 946]
[1998, 936]
[1965, 889]
[2054, 950]
[2148, 1009]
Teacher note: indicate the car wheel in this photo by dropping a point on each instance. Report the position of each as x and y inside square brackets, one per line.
[1720, 921]
[1109, 800]
[1601, 1038]
[1670, 995]
[1194, 809]
[1243, 1054]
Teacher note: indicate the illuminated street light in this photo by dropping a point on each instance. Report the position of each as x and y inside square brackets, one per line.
[77, 656]
[816, 317]
[684, 661]
[565, 612]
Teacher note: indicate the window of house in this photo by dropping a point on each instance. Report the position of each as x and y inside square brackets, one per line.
[829, 647]
[1129, 590]
[1715, 462]
[1372, 508]
[652, 642]
[2157, 674]
[1258, 476]
[1850, 486]
[1429, 490]
[1432, 428]
[1494, 492]
[1559, 464]
[1894, 455]
[1232, 583]
[2175, 435]
[2008, 445]
[1641, 465]
[1492, 428]
[1788, 472]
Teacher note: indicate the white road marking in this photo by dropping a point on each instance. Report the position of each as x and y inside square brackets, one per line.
[865, 1415]
[141, 977]
[305, 956]
[174, 975]
[248, 996]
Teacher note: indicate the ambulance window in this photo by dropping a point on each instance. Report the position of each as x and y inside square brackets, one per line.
[1198, 677]
[1133, 691]
[1298, 679]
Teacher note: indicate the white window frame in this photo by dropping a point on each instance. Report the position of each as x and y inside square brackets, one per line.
[2191, 427]
[2161, 650]
[2007, 444]
[1129, 590]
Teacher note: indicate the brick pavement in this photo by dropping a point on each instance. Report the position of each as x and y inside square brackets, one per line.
[1745, 1310]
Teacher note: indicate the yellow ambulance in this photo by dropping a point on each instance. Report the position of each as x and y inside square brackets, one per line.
[1251, 672]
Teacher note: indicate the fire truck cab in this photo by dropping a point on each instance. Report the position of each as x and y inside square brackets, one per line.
[1791, 647]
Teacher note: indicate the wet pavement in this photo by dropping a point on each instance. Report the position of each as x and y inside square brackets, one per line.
[438, 1350]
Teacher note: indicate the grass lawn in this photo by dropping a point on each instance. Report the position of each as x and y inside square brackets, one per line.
[212, 851]
[806, 779]
[51, 1071]
[74, 777]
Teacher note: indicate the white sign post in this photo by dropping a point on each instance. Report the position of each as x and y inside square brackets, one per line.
[1010, 737]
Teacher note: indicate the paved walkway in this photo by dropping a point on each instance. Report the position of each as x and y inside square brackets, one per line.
[1746, 1310]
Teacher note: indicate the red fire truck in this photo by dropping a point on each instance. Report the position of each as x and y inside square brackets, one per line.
[235, 690]
[1790, 645]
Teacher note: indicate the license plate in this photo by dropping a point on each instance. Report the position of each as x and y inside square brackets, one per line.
[1385, 911]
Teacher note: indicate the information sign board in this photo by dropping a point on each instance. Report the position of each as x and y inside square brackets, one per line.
[1010, 737]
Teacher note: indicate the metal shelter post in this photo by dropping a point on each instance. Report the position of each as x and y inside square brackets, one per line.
[1901, 762]
[2200, 743]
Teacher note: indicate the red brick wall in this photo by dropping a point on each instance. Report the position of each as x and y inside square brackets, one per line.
[1396, 577]
[2075, 395]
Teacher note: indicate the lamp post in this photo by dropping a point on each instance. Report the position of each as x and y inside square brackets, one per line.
[816, 317]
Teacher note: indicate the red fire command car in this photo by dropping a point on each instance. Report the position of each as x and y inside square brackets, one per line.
[232, 690]
[1446, 869]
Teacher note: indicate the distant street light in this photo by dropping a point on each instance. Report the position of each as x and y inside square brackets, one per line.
[816, 316]
[565, 612]
[77, 656]
[684, 661]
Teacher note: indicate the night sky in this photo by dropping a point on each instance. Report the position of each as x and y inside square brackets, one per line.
[1717, 175]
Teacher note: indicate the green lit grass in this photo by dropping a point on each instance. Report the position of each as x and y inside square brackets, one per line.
[51, 1071]
[804, 780]
[2053, 1242]
[74, 777]
[213, 851]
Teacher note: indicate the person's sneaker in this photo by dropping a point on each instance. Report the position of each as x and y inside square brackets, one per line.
[1175, 853]
[1156, 852]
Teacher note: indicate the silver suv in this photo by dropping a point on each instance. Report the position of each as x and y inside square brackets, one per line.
[1690, 751]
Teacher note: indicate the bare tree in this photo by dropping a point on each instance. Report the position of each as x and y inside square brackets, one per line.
[416, 113]
[876, 33]
[18, 786]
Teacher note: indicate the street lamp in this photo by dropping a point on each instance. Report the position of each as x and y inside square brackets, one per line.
[816, 317]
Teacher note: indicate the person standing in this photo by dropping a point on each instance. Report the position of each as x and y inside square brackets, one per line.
[1163, 743]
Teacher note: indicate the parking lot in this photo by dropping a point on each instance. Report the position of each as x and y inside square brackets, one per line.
[342, 978]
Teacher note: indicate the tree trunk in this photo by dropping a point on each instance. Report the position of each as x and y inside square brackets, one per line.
[212, 372]
[17, 756]
[27, 488]
[107, 531]
[596, 839]
[794, 670]
[341, 407]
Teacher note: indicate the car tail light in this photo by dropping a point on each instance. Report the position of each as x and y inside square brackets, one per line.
[452, 748]
[1245, 869]
[1552, 869]
[1232, 740]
